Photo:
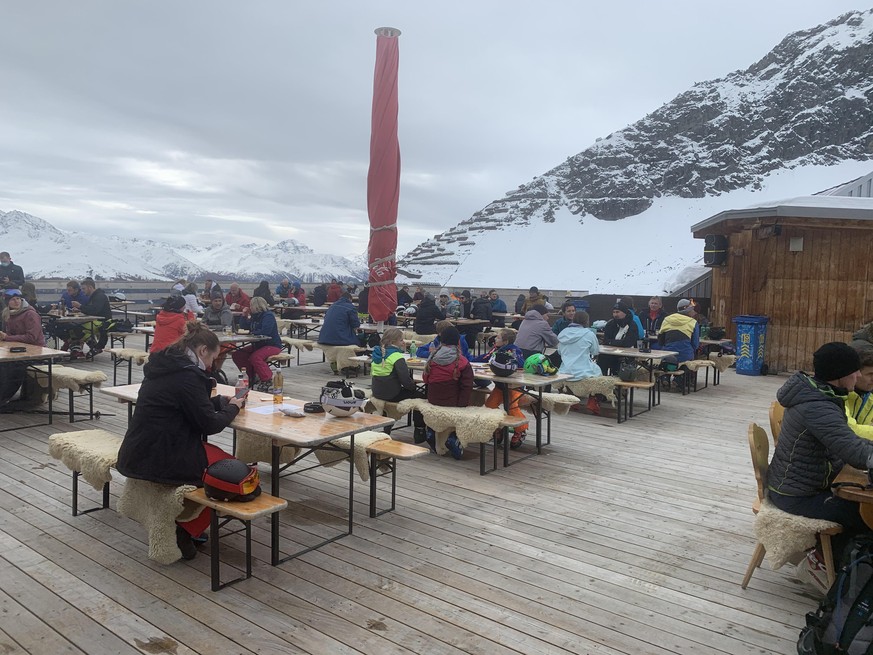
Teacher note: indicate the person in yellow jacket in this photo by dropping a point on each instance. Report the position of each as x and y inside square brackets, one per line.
[859, 404]
[680, 332]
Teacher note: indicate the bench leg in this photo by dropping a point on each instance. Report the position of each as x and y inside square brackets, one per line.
[215, 562]
[374, 474]
[72, 413]
[75, 503]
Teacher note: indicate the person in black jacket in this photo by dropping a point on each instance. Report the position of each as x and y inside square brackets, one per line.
[621, 331]
[94, 333]
[816, 441]
[427, 315]
[263, 291]
[403, 297]
[166, 441]
[319, 295]
[11, 274]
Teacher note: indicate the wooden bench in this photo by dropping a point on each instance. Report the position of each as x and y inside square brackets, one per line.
[628, 404]
[90, 453]
[300, 344]
[678, 376]
[383, 461]
[225, 512]
[693, 368]
[129, 355]
[278, 359]
[74, 380]
[117, 337]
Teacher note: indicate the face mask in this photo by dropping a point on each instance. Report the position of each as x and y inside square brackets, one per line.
[4, 263]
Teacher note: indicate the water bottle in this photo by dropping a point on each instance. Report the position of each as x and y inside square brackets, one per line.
[278, 385]
[412, 348]
[242, 384]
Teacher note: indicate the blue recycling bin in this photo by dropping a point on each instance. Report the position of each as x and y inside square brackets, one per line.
[751, 339]
[580, 305]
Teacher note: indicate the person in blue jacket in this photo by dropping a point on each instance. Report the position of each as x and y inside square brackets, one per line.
[71, 293]
[497, 304]
[636, 319]
[340, 323]
[424, 351]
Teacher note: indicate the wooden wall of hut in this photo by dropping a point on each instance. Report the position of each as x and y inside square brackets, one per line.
[820, 294]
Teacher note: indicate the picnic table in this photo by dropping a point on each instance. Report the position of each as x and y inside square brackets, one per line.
[32, 356]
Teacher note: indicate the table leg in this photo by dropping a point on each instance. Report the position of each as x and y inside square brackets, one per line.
[274, 518]
[50, 392]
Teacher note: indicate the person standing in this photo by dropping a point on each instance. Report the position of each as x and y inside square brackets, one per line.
[11, 274]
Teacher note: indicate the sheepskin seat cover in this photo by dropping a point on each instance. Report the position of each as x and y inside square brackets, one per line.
[300, 344]
[783, 535]
[157, 507]
[252, 447]
[470, 424]
[279, 357]
[722, 363]
[419, 339]
[697, 364]
[341, 355]
[67, 377]
[138, 357]
[282, 324]
[363, 440]
[91, 452]
[384, 408]
[601, 384]
[559, 403]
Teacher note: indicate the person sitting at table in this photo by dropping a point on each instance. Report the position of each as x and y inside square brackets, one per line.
[170, 323]
[166, 441]
[284, 288]
[629, 303]
[680, 333]
[621, 332]
[578, 348]
[237, 299]
[21, 324]
[533, 299]
[189, 293]
[334, 291]
[568, 314]
[319, 295]
[253, 357]
[339, 325]
[534, 333]
[653, 319]
[504, 341]
[859, 403]
[427, 349]
[298, 293]
[217, 314]
[449, 379]
[427, 315]
[403, 297]
[94, 333]
[263, 291]
[73, 291]
[210, 288]
[816, 441]
[391, 379]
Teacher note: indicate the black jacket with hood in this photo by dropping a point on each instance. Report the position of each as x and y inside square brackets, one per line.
[427, 315]
[174, 414]
[815, 440]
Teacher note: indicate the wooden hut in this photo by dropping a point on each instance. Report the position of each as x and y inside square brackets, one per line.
[804, 262]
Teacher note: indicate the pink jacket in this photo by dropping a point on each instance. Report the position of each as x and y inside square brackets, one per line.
[25, 327]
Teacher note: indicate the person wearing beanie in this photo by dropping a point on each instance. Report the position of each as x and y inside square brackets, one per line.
[534, 333]
[859, 404]
[427, 315]
[680, 332]
[170, 323]
[449, 379]
[621, 332]
[816, 441]
[533, 298]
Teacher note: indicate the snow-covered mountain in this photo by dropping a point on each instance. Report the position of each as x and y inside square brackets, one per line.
[44, 251]
[615, 217]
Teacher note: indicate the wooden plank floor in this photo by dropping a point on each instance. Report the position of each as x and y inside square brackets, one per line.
[627, 538]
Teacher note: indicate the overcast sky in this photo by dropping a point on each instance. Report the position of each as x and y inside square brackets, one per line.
[250, 121]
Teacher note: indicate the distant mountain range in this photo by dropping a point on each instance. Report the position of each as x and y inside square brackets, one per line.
[807, 105]
[45, 251]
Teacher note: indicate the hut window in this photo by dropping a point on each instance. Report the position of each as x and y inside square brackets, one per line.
[795, 244]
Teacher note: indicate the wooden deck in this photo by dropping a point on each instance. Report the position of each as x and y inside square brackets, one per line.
[627, 538]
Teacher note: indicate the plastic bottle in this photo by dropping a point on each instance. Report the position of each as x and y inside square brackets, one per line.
[278, 387]
[412, 348]
[242, 384]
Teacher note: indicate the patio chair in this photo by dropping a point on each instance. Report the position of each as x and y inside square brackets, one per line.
[776, 412]
[785, 534]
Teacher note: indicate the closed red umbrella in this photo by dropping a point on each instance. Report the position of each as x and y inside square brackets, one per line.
[383, 178]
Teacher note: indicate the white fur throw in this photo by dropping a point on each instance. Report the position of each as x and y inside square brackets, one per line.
[282, 324]
[419, 339]
[341, 355]
[784, 535]
[300, 344]
[363, 440]
[384, 408]
[697, 364]
[157, 507]
[722, 363]
[91, 452]
[471, 424]
[66, 377]
[252, 447]
[559, 403]
[138, 357]
[602, 384]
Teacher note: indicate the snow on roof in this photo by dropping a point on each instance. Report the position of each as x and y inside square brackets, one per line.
[832, 207]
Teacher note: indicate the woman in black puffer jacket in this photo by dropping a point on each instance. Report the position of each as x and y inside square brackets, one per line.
[815, 442]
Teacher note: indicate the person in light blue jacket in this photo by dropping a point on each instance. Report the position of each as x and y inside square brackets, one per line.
[577, 345]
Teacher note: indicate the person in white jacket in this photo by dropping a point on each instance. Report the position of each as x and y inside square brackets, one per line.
[190, 296]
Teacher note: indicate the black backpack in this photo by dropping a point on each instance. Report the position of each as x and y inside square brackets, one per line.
[843, 622]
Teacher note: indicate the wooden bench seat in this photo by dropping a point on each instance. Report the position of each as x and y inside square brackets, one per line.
[74, 380]
[625, 410]
[117, 337]
[279, 359]
[91, 454]
[383, 457]
[678, 376]
[129, 355]
[225, 512]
